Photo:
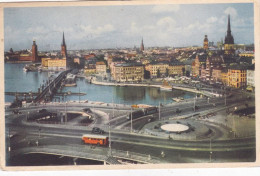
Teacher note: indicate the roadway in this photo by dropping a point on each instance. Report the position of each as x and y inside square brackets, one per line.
[231, 150]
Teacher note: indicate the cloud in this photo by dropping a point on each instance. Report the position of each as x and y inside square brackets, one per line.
[212, 20]
[37, 30]
[89, 29]
[166, 22]
[165, 8]
[231, 11]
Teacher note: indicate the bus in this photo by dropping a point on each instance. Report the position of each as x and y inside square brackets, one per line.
[95, 139]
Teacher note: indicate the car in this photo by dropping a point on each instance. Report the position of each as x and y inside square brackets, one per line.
[42, 111]
[97, 130]
[16, 112]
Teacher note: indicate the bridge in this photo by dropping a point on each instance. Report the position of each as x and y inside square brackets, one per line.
[90, 153]
[51, 88]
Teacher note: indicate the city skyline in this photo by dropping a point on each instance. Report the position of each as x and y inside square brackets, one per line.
[97, 27]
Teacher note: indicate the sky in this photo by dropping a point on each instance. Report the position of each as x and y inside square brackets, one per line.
[97, 27]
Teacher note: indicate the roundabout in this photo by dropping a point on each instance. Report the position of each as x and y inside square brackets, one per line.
[175, 128]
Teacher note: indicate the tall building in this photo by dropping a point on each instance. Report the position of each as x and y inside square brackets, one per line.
[63, 47]
[229, 40]
[206, 43]
[35, 57]
[142, 46]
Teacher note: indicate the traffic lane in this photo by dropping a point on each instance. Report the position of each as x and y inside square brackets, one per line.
[171, 155]
[149, 140]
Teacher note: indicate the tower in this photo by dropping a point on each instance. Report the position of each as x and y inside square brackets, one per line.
[229, 40]
[34, 52]
[206, 43]
[142, 46]
[63, 47]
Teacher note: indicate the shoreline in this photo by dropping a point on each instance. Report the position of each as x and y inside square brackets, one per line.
[205, 93]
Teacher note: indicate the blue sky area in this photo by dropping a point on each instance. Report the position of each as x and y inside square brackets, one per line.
[94, 27]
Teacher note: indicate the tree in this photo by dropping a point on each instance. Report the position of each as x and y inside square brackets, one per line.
[147, 74]
[158, 73]
[188, 73]
[183, 70]
[167, 72]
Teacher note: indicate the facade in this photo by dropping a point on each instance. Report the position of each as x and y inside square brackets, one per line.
[90, 70]
[216, 75]
[155, 66]
[250, 78]
[206, 43]
[176, 69]
[229, 41]
[196, 66]
[237, 77]
[129, 72]
[224, 77]
[35, 57]
[54, 63]
[101, 67]
[76, 60]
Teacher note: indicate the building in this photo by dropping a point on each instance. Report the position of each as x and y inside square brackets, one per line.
[26, 55]
[224, 76]
[206, 43]
[196, 65]
[217, 75]
[176, 69]
[101, 67]
[237, 76]
[35, 57]
[250, 79]
[54, 63]
[153, 68]
[76, 60]
[63, 47]
[142, 46]
[129, 72]
[89, 70]
[229, 48]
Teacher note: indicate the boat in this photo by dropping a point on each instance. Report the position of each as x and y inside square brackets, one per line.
[25, 69]
[178, 99]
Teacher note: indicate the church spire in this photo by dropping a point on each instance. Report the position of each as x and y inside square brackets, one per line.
[142, 45]
[229, 38]
[229, 29]
[63, 40]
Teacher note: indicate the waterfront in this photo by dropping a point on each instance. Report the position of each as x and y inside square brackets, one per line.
[18, 80]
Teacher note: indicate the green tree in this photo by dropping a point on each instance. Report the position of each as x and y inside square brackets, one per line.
[183, 70]
[147, 74]
[167, 72]
[158, 73]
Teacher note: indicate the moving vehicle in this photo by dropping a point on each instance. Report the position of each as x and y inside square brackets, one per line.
[97, 130]
[95, 139]
[139, 113]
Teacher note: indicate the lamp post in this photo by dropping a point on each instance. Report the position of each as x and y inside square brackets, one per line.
[210, 150]
[66, 117]
[159, 110]
[194, 104]
[79, 94]
[131, 120]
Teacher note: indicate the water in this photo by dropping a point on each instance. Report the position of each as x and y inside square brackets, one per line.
[18, 80]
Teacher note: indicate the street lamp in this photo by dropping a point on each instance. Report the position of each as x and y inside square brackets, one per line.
[159, 110]
[131, 120]
[66, 117]
[210, 150]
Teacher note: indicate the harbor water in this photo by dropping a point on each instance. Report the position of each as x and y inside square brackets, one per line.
[16, 80]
